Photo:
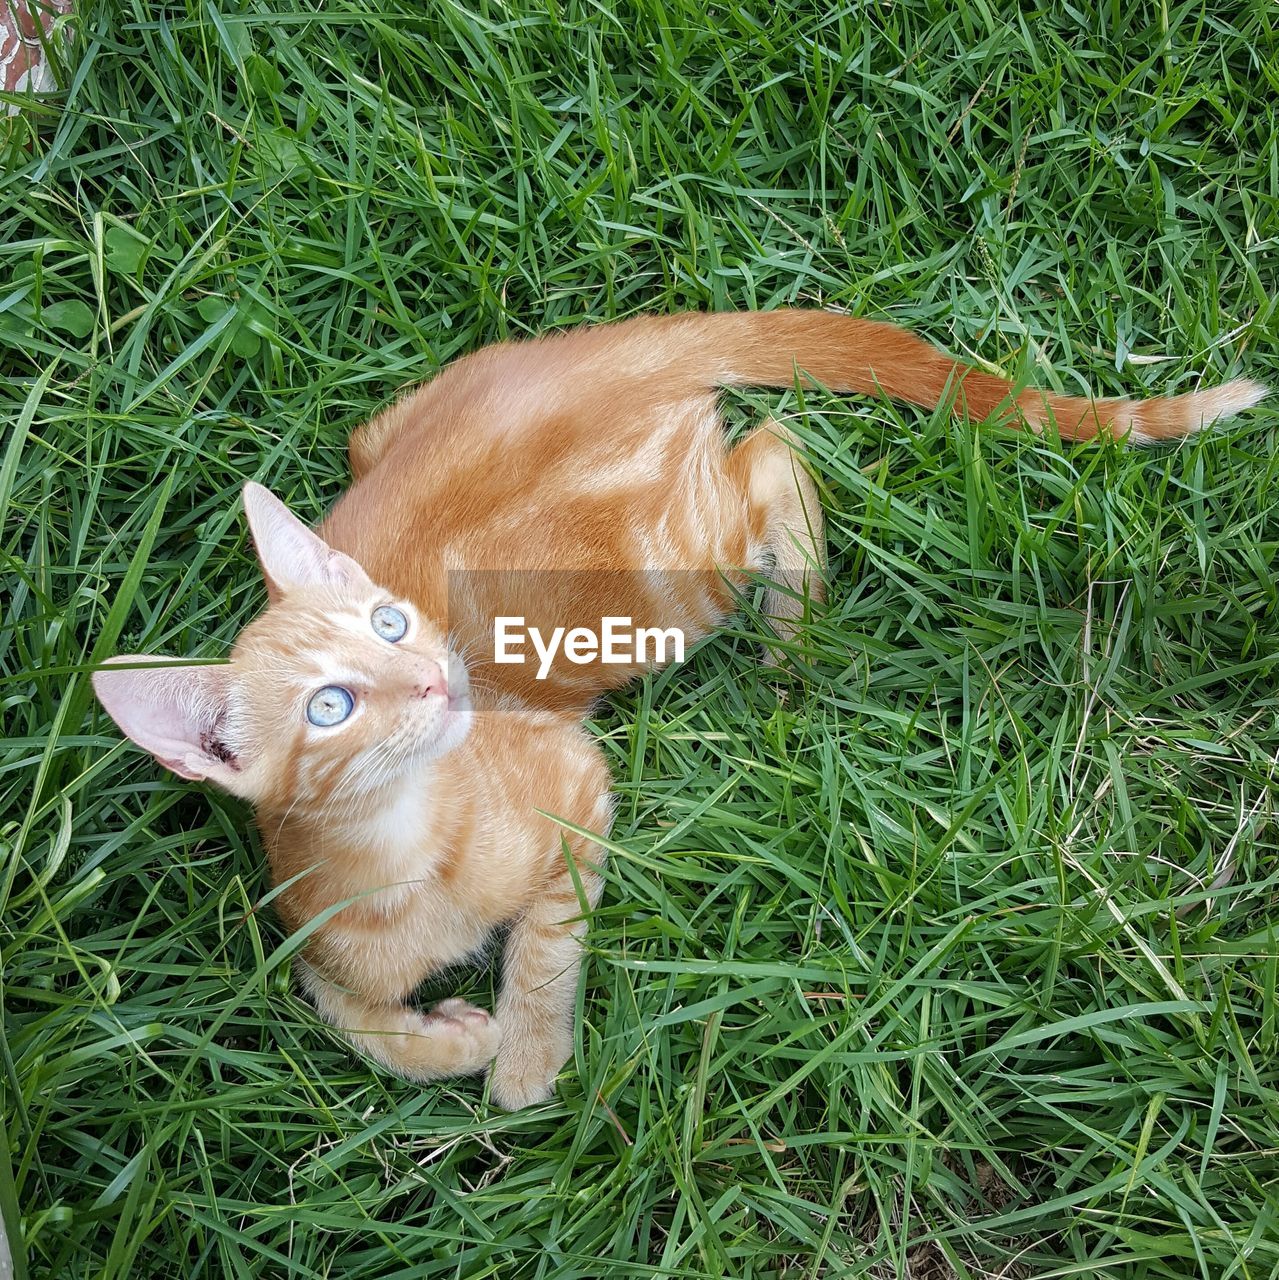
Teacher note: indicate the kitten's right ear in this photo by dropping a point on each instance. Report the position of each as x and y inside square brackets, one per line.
[289, 553]
[179, 713]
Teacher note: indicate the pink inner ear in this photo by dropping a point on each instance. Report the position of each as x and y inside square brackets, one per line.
[176, 712]
[289, 553]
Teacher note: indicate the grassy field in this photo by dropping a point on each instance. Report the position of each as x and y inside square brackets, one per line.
[953, 955]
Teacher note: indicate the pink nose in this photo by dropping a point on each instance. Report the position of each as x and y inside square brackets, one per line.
[430, 680]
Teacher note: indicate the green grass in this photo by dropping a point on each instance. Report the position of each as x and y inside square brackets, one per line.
[954, 954]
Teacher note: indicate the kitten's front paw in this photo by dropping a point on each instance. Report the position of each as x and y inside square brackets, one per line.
[473, 1034]
[525, 1074]
[468, 1016]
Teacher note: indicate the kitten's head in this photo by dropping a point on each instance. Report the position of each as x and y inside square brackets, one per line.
[336, 690]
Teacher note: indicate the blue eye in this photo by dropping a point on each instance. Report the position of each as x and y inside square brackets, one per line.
[330, 706]
[390, 623]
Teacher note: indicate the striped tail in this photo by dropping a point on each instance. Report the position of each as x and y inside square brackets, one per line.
[847, 354]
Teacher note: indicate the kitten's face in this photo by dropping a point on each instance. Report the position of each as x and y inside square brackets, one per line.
[344, 691]
[337, 690]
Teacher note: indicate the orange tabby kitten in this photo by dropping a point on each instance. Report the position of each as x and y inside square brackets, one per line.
[401, 800]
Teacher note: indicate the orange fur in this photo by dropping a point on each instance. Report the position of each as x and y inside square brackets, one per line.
[404, 834]
[588, 474]
[577, 450]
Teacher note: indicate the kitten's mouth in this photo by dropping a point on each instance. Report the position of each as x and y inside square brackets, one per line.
[450, 722]
[446, 711]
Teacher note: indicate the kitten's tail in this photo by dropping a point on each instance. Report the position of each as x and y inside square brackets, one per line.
[844, 353]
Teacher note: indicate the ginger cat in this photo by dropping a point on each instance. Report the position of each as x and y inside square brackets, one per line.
[400, 797]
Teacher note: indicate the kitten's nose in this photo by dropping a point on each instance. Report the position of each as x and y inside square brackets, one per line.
[431, 679]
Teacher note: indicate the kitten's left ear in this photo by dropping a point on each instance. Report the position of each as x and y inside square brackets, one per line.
[289, 553]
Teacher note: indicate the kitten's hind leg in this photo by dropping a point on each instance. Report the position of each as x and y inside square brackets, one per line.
[453, 1038]
[785, 514]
